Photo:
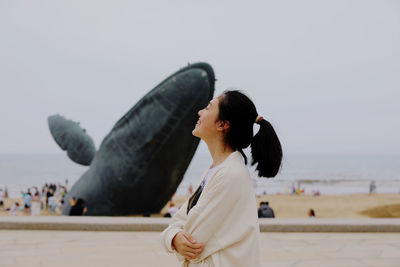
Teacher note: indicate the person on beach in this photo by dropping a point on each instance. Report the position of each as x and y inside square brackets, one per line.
[372, 187]
[35, 207]
[72, 201]
[265, 211]
[14, 209]
[2, 194]
[171, 210]
[78, 209]
[27, 202]
[311, 213]
[218, 224]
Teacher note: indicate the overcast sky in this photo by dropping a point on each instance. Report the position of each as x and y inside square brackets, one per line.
[326, 74]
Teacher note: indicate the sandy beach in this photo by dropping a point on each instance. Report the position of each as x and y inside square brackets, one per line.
[328, 206]
[297, 206]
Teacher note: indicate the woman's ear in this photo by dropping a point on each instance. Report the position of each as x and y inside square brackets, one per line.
[222, 126]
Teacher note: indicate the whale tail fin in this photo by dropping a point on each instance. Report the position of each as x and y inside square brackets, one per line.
[71, 137]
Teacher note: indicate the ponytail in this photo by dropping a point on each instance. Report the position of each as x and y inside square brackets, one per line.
[266, 150]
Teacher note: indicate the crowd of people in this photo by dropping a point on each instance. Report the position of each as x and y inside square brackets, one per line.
[50, 198]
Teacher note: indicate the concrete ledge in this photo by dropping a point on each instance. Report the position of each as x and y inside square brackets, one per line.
[84, 223]
[330, 225]
[87, 223]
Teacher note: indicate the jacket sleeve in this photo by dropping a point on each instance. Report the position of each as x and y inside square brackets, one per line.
[177, 224]
[214, 205]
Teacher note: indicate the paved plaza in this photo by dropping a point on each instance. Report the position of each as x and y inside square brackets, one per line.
[85, 248]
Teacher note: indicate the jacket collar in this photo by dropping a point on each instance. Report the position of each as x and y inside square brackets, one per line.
[235, 155]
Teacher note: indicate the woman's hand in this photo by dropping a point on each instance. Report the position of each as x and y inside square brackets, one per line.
[187, 246]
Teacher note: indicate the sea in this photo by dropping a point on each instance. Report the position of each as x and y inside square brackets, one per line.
[326, 174]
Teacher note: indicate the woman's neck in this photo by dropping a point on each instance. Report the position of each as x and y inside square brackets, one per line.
[219, 152]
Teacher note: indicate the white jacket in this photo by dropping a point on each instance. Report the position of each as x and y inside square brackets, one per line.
[224, 218]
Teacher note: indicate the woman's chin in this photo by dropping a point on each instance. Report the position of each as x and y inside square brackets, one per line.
[195, 133]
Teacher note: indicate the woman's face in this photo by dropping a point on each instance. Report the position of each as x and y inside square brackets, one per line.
[207, 126]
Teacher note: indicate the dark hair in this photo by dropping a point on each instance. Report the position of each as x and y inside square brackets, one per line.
[266, 151]
[80, 202]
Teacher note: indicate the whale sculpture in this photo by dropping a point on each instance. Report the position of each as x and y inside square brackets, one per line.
[141, 162]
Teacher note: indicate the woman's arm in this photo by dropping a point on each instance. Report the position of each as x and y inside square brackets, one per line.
[176, 226]
[177, 223]
[176, 240]
[214, 205]
[187, 246]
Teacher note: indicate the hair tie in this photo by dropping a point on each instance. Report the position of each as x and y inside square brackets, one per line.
[259, 118]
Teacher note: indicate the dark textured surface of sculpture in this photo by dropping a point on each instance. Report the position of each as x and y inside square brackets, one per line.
[141, 162]
[71, 137]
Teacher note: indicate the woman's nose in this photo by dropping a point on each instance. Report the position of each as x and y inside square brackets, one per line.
[199, 113]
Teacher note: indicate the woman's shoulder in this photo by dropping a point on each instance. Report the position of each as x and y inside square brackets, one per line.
[236, 161]
[234, 166]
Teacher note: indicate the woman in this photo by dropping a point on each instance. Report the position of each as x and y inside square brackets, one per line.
[218, 224]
